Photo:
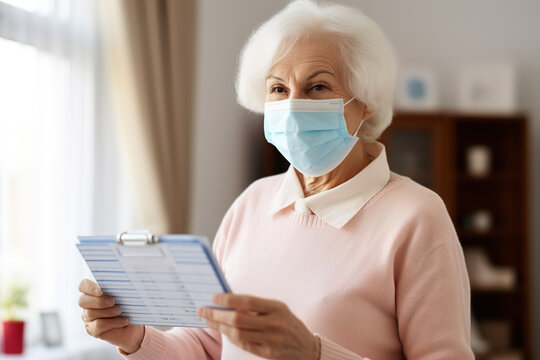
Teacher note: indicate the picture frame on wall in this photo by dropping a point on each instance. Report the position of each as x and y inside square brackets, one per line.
[51, 328]
[416, 90]
[487, 88]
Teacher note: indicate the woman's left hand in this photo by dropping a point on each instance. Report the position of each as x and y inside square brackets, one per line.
[264, 327]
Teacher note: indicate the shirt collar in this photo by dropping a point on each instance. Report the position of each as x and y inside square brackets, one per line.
[338, 205]
[289, 191]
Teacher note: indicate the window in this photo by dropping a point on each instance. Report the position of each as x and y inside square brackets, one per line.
[53, 142]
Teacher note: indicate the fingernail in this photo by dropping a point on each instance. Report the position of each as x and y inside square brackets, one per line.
[110, 302]
[126, 320]
[217, 298]
[202, 312]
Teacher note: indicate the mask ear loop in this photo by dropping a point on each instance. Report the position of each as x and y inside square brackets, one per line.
[361, 122]
[358, 128]
[351, 99]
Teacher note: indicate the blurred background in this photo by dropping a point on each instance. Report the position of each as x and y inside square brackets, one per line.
[121, 114]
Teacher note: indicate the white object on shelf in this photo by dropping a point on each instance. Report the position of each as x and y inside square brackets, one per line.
[479, 345]
[478, 158]
[484, 275]
[482, 221]
[498, 332]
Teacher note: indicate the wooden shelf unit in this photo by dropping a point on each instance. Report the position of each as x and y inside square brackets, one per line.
[431, 149]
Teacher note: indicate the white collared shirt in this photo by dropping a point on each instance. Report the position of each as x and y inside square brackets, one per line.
[338, 205]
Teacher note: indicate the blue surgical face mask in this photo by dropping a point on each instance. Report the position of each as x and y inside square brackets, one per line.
[311, 134]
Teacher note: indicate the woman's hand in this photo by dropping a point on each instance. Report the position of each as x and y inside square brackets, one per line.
[102, 319]
[266, 328]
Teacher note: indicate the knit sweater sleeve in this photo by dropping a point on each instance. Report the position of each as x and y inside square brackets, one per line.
[178, 343]
[432, 291]
[332, 351]
[432, 288]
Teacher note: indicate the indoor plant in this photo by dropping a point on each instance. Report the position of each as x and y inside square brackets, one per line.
[12, 325]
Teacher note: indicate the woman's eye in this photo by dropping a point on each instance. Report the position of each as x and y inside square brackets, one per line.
[318, 87]
[278, 89]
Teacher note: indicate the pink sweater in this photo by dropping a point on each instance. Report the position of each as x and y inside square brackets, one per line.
[391, 284]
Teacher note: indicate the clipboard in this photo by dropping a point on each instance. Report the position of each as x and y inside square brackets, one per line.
[156, 280]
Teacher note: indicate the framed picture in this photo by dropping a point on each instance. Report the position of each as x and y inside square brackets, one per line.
[487, 88]
[416, 90]
[51, 328]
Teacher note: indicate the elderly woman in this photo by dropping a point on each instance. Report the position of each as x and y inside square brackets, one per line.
[338, 258]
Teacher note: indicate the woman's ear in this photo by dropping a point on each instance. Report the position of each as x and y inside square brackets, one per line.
[368, 113]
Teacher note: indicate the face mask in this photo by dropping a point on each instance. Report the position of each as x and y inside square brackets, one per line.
[311, 134]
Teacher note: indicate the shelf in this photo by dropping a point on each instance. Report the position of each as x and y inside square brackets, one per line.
[496, 179]
[512, 354]
[484, 236]
[462, 116]
[494, 290]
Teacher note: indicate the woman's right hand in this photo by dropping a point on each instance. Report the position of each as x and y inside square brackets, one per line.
[102, 319]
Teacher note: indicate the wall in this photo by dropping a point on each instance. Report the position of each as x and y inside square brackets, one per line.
[440, 35]
[222, 129]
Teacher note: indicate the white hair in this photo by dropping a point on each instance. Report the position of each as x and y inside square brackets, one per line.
[367, 56]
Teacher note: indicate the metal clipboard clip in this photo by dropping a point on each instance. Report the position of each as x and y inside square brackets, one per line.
[136, 238]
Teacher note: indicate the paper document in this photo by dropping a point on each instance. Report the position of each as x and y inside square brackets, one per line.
[156, 284]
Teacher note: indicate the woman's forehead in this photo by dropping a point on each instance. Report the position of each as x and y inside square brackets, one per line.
[308, 55]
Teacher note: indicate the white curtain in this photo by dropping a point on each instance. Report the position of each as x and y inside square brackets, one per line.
[51, 152]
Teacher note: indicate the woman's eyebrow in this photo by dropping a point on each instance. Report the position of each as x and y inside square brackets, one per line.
[320, 72]
[273, 77]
